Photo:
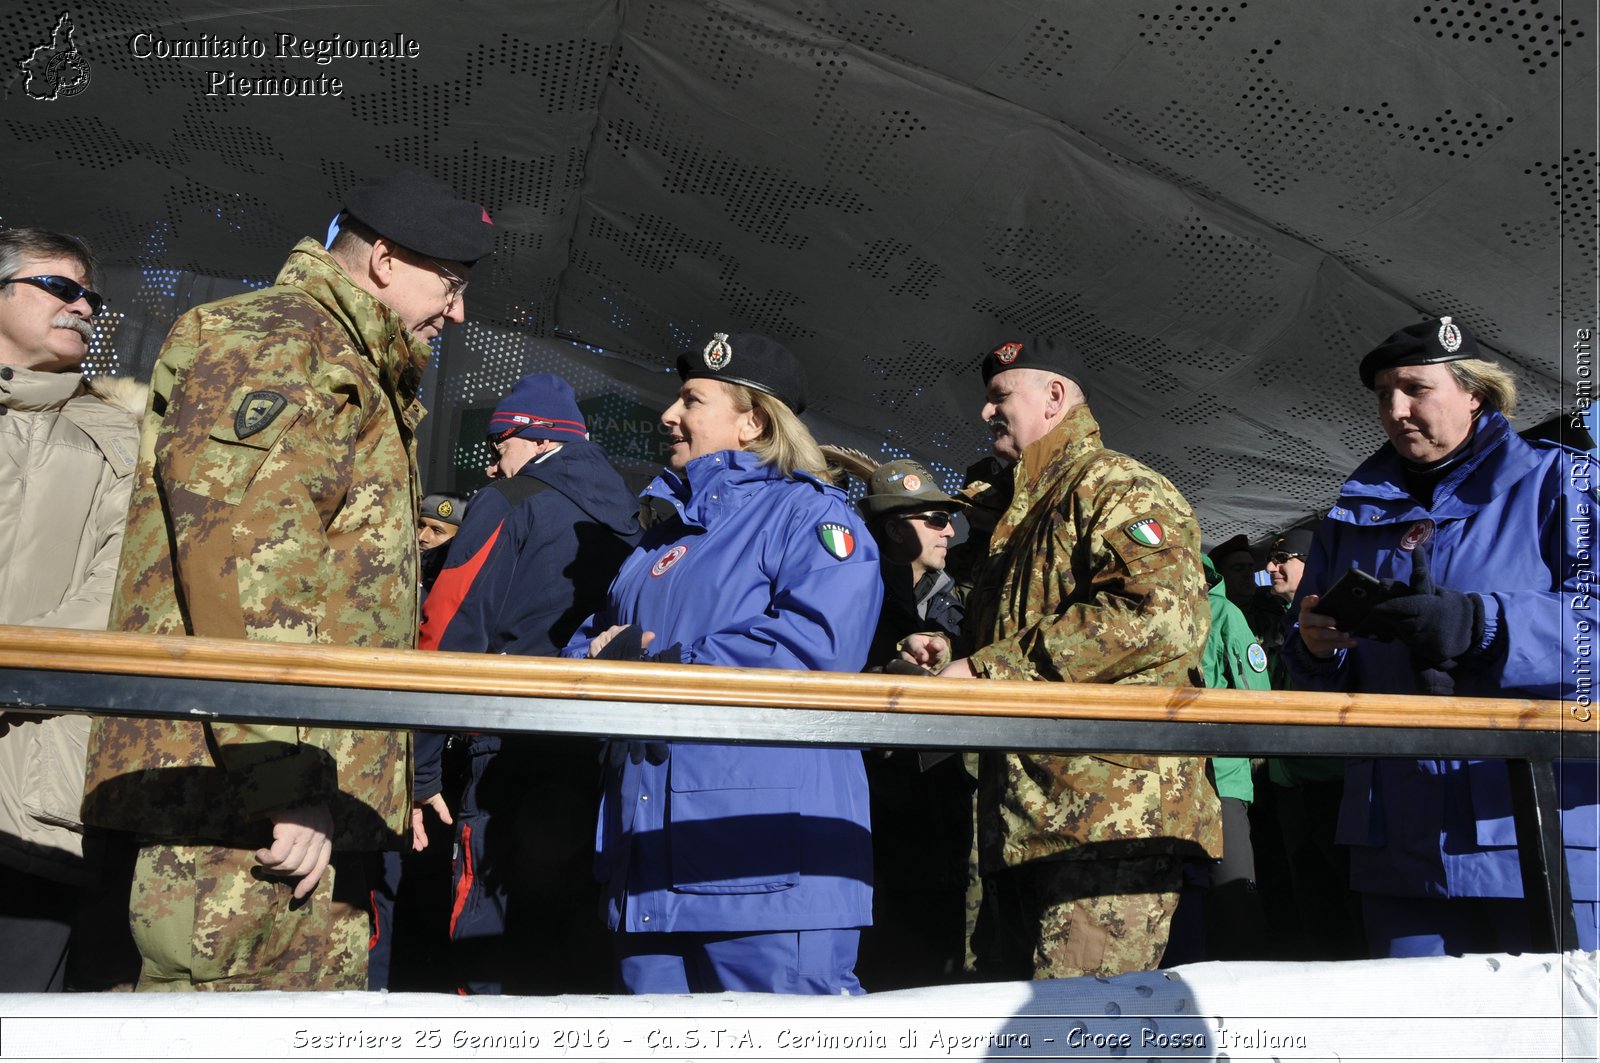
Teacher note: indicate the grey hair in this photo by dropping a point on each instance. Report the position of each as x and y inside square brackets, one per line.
[18, 244]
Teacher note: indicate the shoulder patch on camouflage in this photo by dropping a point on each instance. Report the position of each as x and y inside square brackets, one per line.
[1147, 531]
[259, 409]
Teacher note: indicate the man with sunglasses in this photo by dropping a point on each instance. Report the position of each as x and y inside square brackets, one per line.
[276, 499]
[1093, 576]
[67, 447]
[921, 802]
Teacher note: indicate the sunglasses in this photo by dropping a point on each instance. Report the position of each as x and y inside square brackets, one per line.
[936, 521]
[1282, 558]
[64, 288]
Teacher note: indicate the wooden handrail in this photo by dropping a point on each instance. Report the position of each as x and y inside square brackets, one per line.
[59, 649]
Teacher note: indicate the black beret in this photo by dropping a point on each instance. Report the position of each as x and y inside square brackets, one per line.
[1425, 343]
[1229, 546]
[1033, 352]
[423, 214]
[751, 360]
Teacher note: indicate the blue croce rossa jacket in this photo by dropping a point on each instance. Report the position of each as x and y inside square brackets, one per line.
[1515, 524]
[753, 570]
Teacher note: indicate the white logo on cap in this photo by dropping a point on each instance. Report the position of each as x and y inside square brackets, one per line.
[718, 353]
[1449, 335]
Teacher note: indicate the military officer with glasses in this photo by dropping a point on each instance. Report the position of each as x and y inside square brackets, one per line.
[276, 498]
[67, 448]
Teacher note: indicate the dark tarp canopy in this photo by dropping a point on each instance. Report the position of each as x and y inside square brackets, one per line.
[1222, 204]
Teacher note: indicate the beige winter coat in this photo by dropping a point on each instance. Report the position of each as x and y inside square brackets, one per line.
[67, 452]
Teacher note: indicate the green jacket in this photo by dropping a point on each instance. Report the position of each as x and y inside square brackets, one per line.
[275, 498]
[1093, 576]
[1233, 659]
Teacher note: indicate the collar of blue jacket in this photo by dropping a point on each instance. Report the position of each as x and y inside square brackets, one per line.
[719, 482]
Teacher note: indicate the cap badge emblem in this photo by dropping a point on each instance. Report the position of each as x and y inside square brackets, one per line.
[912, 482]
[1007, 353]
[446, 508]
[718, 352]
[1449, 335]
[668, 559]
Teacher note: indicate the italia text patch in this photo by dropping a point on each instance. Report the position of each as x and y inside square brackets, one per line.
[837, 539]
[1146, 532]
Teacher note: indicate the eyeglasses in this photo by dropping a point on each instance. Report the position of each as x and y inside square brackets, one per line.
[64, 288]
[936, 521]
[454, 286]
[1282, 558]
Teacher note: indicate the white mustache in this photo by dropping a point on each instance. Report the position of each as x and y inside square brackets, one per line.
[72, 321]
[996, 425]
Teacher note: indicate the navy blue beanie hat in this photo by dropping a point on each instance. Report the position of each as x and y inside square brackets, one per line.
[539, 406]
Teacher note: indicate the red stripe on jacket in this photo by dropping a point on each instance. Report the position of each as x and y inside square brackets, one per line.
[449, 591]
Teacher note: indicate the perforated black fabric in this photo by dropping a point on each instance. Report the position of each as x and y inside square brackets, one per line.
[1222, 205]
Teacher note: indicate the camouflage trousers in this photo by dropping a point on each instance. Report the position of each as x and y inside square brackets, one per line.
[206, 918]
[1069, 918]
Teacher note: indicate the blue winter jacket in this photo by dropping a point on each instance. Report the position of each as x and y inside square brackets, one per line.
[758, 571]
[1514, 524]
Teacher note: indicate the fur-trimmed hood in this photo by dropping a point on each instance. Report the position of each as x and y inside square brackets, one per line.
[123, 392]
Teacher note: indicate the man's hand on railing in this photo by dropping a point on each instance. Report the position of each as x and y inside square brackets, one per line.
[930, 651]
[419, 828]
[957, 669]
[301, 846]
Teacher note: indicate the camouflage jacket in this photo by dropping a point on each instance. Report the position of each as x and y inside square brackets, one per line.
[275, 498]
[1093, 576]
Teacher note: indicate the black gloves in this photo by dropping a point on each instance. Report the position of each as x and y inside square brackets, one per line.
[1441, 626]
[628, 645]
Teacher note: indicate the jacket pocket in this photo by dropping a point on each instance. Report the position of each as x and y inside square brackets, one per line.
[735, 822]
[227, 462]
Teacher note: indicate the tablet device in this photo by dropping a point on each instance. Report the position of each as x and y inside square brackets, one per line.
[1351, 598]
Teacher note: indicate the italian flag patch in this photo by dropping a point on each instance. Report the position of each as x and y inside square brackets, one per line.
[1146, 532]
[837, 540]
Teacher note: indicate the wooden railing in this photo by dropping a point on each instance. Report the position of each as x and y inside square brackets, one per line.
[56, 670]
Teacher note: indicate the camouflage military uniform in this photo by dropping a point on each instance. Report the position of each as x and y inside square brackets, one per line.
[275, 499]
[1093, 576]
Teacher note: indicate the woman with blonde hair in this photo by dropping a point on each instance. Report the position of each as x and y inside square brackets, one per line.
[735, 867]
